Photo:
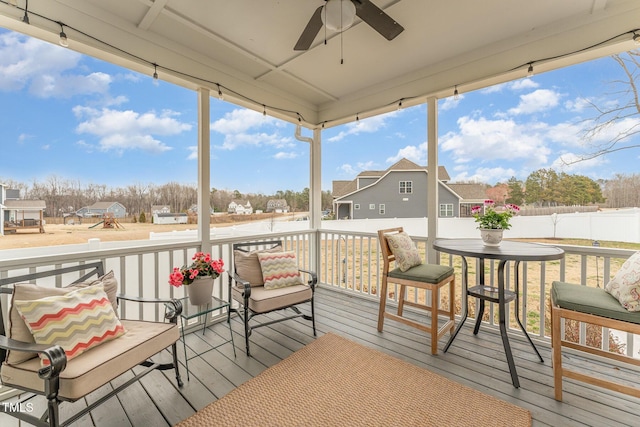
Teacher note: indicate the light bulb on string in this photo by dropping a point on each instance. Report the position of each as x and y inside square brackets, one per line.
[63, 36]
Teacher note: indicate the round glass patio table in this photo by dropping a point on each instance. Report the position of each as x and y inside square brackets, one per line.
[506, 252]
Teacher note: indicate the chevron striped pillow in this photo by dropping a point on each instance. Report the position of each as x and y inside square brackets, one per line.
[76, 321]
[279, 269]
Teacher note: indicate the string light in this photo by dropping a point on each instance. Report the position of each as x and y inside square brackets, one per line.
[155, 71]
[400, 105]
[63, 37]
[456, 95]
[25, 18]
[264, 110]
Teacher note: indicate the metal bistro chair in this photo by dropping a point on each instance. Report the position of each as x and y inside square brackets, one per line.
[246, 286]
[431, 277]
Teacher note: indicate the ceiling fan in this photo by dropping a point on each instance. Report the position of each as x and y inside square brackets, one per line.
[338, 15]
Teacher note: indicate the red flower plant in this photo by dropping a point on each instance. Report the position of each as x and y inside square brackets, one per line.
[202, 266]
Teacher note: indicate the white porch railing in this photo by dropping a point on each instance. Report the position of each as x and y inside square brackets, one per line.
[345, 261]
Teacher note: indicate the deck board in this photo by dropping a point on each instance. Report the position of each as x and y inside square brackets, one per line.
[476, 361]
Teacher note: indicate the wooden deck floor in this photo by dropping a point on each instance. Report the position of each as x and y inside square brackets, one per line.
[478, 362]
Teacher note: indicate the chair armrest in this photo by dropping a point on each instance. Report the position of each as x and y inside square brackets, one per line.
[241, 283]
[314, 277]
[169, 315]
[55, 354]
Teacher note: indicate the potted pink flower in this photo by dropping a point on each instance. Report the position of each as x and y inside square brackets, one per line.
[491, 222]
[200, 275]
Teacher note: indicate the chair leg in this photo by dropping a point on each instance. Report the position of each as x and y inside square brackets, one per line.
[313, 317]
[246, 328]
[51, 389]
[556, 352]
[435, 303]
[383, 303]
[174, 352]
[401, 298]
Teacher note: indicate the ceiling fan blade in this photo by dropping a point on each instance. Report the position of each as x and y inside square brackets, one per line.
[310, 31]
[377, 19]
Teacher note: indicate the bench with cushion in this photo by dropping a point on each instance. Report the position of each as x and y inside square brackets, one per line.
[612, 307]
[65, 342]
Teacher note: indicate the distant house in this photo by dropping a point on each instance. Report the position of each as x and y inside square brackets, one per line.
[397, 192]
[16, 214]
[160, 209]
[471, 194]
[277, 206]
[240, 207]
[98, 209]
[170, 218]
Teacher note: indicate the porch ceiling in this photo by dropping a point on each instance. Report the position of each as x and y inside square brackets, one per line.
[247, 47]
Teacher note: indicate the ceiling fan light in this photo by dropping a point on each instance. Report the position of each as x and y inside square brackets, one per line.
[338, 15]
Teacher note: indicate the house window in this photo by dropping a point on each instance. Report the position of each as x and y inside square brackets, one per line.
[356, 206]
[406, 187]
[382, 209]
[446, 209]
[372, 206]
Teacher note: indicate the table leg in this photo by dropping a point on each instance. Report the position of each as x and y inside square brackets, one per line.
[465, 305]
[231, 331]
[184, 347]
[502, 307]
[517, 309]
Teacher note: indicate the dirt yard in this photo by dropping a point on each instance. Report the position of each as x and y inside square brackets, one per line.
[60, 234]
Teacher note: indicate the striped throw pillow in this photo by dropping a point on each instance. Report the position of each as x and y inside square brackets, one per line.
[279, 269]
[76, 321]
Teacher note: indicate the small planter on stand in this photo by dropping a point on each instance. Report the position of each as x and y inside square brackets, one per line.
[491, 236]
[200, 290]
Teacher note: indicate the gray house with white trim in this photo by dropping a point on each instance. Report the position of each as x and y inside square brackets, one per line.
[397, 192]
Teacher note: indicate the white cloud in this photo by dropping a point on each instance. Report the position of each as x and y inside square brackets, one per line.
[242, 127]
[125, 130]
[539, 100]
[45, 69]
[451, 102]
[577, 105]
[351, 170]
[523, 84]
[417, 154]
[485, 140]
[368, 125]
[497, 174]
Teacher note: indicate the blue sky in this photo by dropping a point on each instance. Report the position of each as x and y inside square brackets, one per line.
[73, 117]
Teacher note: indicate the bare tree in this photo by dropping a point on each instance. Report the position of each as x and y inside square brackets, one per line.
[619, 116]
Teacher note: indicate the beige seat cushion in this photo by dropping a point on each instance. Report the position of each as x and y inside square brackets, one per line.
[99, 365]
[263, 300]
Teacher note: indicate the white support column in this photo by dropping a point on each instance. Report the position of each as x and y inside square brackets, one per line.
[432, 177]
[204, 168]
[315, 196]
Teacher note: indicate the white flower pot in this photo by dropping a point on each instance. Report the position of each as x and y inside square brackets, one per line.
[491, 237]
[200, 290]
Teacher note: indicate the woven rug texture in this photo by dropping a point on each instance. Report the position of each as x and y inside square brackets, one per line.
[336, 382]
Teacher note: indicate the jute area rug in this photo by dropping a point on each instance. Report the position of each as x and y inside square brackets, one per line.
[336, 382]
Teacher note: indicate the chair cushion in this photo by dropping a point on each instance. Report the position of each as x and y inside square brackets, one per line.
[625, 285]
[18, 330]
[585, 299]
[263, 300]
[76, 321]
[404, 250]
[101, 364]
[247, 265]
[279, 269]
[427, 273]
